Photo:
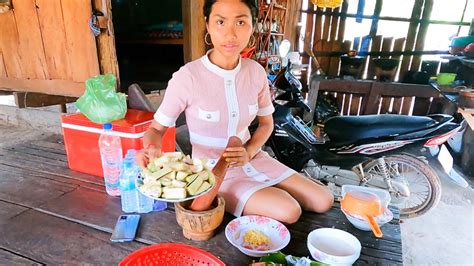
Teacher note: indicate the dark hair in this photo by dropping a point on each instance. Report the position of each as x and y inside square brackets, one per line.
[251, 4]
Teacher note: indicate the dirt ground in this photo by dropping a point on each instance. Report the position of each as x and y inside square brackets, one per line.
[443, 236]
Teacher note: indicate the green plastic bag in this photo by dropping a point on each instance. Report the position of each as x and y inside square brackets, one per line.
[100, 103]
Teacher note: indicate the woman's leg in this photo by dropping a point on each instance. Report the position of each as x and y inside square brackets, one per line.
[311, 195]
[274, 203]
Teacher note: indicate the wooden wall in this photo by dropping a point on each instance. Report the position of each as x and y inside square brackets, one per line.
[46, 46]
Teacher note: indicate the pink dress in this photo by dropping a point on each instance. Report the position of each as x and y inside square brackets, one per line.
[218, 104]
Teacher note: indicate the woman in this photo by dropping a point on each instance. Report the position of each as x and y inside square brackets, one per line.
[221, 94]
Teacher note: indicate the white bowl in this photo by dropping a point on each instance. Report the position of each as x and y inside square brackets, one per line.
[276, 231]
[382, 194]
[333, 246]
[362, 223]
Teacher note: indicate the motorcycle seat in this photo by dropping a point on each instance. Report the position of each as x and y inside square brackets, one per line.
[344, 128]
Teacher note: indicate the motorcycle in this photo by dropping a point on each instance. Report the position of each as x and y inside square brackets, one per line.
[368, 150]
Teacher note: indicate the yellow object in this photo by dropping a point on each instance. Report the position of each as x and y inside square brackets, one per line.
[327, 3]
[256, 238]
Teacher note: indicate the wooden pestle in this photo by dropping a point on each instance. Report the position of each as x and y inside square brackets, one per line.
[204, 202]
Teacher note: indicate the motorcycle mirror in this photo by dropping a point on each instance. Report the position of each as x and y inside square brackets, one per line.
[284, 48]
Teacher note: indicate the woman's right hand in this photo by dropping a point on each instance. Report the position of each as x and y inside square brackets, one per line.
[145, 156]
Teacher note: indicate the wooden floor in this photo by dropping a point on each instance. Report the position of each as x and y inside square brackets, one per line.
[52, 215]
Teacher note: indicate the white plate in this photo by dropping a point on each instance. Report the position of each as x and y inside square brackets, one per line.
[139, 183]
[276, 231]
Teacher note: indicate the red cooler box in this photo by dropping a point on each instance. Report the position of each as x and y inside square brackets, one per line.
[81, 138]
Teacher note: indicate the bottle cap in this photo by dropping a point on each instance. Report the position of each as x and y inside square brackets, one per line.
[107, 126]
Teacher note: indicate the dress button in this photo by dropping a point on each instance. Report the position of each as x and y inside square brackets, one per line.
[234, 114]
[208, 116]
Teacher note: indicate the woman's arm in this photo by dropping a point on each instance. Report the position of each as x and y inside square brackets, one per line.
[151, 144]
[239, 156]
[260, 136]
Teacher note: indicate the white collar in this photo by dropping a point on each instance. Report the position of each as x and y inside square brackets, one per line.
[230, 74]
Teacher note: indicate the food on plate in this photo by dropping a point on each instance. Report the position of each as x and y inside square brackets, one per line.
[176, 176]
[256, 240]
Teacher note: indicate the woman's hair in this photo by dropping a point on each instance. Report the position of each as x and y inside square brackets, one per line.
[251, 4]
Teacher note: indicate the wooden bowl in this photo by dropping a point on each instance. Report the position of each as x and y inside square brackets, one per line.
[200, 225]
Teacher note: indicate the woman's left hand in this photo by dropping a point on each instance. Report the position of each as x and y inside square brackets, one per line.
[236, 156]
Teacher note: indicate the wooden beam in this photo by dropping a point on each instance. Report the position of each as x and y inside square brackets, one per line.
[54, 87]
[349, 15]
[375, 21]
[31, 99]
[411, 35]
[292, 19]
[106, 41]
[194, 29]
[420, 38]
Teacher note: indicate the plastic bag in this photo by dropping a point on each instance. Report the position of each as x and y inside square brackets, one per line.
[100, 103]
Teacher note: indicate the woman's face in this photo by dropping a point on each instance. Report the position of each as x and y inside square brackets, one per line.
[230, 26]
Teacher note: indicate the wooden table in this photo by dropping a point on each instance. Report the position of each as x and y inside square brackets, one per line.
[52, 215]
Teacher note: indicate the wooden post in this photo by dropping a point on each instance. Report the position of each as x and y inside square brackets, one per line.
[106, 41]
[411, 35]
[420, 38]
[194, 29]
[293, 15]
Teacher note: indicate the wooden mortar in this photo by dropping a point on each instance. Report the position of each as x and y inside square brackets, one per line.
[200, 225]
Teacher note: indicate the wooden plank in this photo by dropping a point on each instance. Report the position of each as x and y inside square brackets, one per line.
[468, 115]
[407, 105]
[106, 41]
[411, 35]
[334, 25]
[375, 47]
[313, 92]
[10, 258]
[398, 47]
[334, 60]
[100, 211]
[9, 45]
[325, 60]
[54, 172]
[293, 14]
[372, 100]
[16, 182]
[31, 99]
[81, 44]
[385, 107]
[54, 86]
[54, 38]
[342, 21]
[318, 32]
[8, 210]
[422, 106]
[387, 43]
[31, 43]
[355, 103]
[375, 21]
[340, 98]
[3, 69]
[420, 38]
[194, 29]
[326, 27]
[397, 105]
[308, 35]
[55, 241]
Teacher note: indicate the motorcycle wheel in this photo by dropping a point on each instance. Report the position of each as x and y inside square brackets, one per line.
[421, 179]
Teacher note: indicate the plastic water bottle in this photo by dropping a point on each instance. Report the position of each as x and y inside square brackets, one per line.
[110, 148]
[128, 189]
[144, 203]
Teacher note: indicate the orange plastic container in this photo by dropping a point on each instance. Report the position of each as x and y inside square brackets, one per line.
[81, 138]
